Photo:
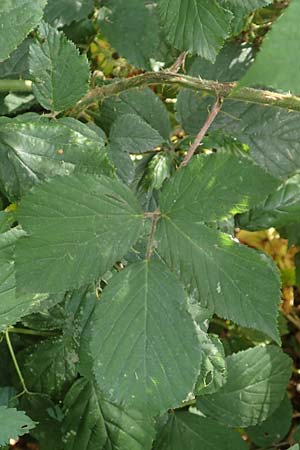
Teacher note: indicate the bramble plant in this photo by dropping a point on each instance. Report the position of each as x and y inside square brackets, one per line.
[137, 138]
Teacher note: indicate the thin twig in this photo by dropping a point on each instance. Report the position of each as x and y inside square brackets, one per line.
[178, 63]
[17, 367]
[211, 117]
[155, 217]
[30, 332]
[294, 319]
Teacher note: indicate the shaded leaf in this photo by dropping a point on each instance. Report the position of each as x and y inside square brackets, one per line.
[184, 430]
[133, 135]
[92, 421]
[60, 74]
[12, 308]
[142, 31]
[16, 66]
[142, 102]
[144, 342]
[17, 20]
[199, 26]
[275, 428]
[50, 366]
[256, 384]
[83, 223]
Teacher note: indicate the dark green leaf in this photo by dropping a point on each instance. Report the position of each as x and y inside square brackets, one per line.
[16, 65]
[214, 267]
[144, 343]
[60, 74]
[122, 162]
[49, 416]
[133, 135]
[34, 148]
[92, 422]
[199, 26]
[142, 102]
[78, 226]
[142, 43]
[256, 384]
[279, 209]
[270, 66]
[50, 366]
[17, 20]
[60, 13]
[12, 308]
[13, 424]
[184, 430]
[275, 428]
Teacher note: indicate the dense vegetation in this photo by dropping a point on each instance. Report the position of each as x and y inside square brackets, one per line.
[150, 224]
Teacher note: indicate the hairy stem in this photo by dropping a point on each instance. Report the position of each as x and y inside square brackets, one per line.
[15, 86]
[17, 367]
[210, 118]
[225, 90]
[154, 218]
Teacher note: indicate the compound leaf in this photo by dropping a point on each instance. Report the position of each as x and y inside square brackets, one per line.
[92, 421]
[186, 430]
[256, 383]
[60, 74]
[78, 227]
[17, 20]
[199, 26]
[211, 264]
[144, 341]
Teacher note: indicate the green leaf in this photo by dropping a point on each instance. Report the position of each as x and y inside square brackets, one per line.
[279, 209]
[215, 187]
[144, 342]
[50, 366]
[213, 372]
[133, 135]
[12, 308]
[92, 422]
[295, 447]
[78, 226]
[17, 20]
[279, 51]
[248, 5]
[142, 102]
[275, 428]
[60, 13]
[122, 162]
[143, 41]
[184, 430]
[214, 267]
[199, 26]
[33, 148]
[13, 424]
[256, 384]
[60, 74]
[16, 66]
